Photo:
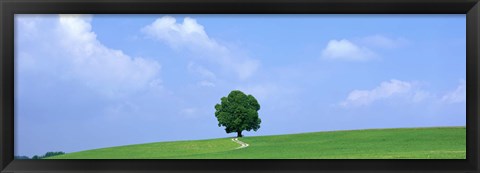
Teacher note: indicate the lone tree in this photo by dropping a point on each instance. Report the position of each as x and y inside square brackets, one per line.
[238, 112]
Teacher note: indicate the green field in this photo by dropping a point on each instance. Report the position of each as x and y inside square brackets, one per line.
[406, 143]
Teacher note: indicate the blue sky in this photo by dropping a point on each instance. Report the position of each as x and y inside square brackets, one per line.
[91, 81]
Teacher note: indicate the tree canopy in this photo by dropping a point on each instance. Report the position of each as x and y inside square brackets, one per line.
[238, 112]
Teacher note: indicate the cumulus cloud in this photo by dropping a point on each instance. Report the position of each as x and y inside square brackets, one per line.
[382, 41]
[192, 36]
[69, 49]
[458, 95]
[385, 90]
[360, 49]
[406, 90]
[180, 34]
[200, 71]
[347, 50]
[208, 77]
[420, 95]
[205, 83]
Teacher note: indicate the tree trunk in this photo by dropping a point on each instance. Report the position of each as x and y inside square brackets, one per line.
[239, 134]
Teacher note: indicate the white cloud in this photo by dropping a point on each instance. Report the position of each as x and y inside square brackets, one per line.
[200, 71]
[192, 36]
[207, 76]
[360, 49]
[178, 34]
[458, 95]
[75, 53]
[346, 50]
[206, 83]
[406, 90]
[420, 95]
[381, 41]
[385, 90]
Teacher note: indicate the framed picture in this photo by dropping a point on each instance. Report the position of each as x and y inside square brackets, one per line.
[239, 86]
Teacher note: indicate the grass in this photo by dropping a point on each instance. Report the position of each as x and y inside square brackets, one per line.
[405, 143]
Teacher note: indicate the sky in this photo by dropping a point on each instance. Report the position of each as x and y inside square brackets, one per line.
[94, 81]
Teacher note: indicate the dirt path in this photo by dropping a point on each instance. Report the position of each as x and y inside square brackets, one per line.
[242, 144]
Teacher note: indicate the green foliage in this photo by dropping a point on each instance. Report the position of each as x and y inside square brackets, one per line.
[238, 112]
[48, 154]
[21, 157]
[408, 143]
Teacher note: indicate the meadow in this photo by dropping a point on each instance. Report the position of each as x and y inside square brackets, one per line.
[401, 143]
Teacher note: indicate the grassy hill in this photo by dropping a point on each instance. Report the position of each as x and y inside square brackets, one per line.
[419, 143]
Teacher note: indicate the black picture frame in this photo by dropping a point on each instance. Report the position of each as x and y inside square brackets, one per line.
[8, 8]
